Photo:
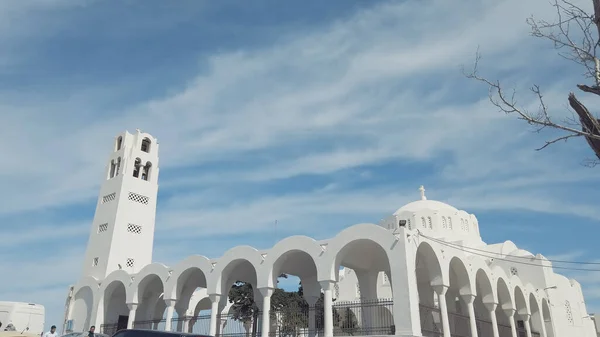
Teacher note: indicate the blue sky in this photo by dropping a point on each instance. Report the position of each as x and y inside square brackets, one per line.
[316, 114]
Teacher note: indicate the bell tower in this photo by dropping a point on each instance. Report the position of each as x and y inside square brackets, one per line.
[122, 233]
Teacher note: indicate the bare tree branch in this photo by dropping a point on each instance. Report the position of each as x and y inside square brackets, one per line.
[575, 36]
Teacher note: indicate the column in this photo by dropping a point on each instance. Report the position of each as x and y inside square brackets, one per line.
[526, 320]
[491, 307]
[132, 309]
[510, 313]
[441, 290]
[187, 316]
[312, 326]
[214, 310]
[542, 323]
[266, 293]
[170, 311]
[469, 299]
[327, 287]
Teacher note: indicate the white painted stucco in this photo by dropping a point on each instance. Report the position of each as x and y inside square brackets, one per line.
[427, 254]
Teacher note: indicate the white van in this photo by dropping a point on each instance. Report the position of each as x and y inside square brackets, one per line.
[26, 317]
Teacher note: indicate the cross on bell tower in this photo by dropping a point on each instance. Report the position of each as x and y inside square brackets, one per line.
[422, 190]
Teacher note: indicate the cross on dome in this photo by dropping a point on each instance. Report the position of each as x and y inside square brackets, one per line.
[422, 190]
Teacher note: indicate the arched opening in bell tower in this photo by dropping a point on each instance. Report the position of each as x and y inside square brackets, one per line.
[146, 145]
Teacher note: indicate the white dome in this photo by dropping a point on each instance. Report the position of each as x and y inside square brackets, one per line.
[421, 205]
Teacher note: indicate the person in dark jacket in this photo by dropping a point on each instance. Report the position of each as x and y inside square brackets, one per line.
[91, 332]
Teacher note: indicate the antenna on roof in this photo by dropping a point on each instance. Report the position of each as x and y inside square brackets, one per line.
[276, 236]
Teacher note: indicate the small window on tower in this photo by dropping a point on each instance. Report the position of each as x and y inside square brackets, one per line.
[95, 262]
[137, 166]
[118, 166]
[113, 167]
[146, 145]
[130, 263]
[146, 171]
[119, 143]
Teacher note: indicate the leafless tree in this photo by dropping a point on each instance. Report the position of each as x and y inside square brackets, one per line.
[576, 36]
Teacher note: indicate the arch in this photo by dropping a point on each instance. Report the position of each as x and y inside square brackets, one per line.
[146, 143]
[114, 301]
[142, 279]
[119, 143]
[183, 271]
[83, 303]
[338, 246]
[118, 169]
[547, 315]
[536, 315]
[137, 164]
[302, 250]
[505, 296]
[520, 302]
[116, 276]
[428, 256]
[146, 171]
[485, 288]
[459, 276]
[247, 260]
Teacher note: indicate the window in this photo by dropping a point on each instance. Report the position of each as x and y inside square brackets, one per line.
[109, 198]
[569, 313]
[146, 171]
[119, 143]
[386, 280]
[118, 166]
[113, 167]
[136, 167]
[444, 224]
[357, 289]
[429, 222]
[409, 225]
[514, 271]
[130, 262]
[133, 228]
[95, 262]
[102, 227]
[146, 145]
[423, 222]
[142, 199]
[449, 222]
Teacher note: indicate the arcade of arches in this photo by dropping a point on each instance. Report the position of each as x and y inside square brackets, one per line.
[457, 295]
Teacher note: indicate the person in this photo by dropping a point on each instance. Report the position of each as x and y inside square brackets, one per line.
[52, 332]
[91, 332]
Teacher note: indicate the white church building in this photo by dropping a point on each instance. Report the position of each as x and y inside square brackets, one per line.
[423, 271]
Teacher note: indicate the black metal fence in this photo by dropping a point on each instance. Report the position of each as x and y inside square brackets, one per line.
[199, 324]
[153, 324]
[431, 325]
[362, 318]
[108, 329]
[234, 325]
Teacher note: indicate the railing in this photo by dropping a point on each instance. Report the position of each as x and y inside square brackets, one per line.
[153, 324]
[358, 318]
[108, 329]
[296, 320]
[431, 325]
[199, 324]
[362, 318]
[232, 325]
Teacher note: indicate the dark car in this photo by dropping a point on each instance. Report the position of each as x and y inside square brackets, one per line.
[154, 333]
